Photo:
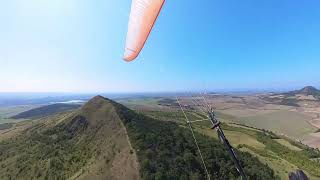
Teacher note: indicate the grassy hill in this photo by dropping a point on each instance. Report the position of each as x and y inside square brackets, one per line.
[46, 111]
[92, 143]
[295, 98]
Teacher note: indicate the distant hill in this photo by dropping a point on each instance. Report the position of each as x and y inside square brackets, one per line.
[46, 111]
[308, 90]
[106, 140]
[295, 98]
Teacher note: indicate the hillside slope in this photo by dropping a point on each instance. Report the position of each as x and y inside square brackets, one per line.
[308, 90]
[90, 143]
[46, 111]
[299, 98]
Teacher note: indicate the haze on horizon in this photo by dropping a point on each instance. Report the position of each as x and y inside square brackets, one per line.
[76, 46]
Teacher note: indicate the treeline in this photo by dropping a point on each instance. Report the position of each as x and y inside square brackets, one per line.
[306, 159]
[167, 151]
[41, 153]
[300, 158]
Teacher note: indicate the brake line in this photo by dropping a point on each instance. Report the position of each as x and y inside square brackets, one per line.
[195, 140]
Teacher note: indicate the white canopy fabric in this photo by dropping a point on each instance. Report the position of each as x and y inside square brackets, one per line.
[142, 18]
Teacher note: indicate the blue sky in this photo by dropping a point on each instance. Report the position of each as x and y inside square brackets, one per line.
[77, 46]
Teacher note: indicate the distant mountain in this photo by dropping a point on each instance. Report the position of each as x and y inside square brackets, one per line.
[308, 90]
[295, 98]
[46, 111]
[106, 140]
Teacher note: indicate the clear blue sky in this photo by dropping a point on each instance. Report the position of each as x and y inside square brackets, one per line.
[77, 45]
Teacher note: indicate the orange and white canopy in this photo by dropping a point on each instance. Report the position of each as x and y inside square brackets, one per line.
[142, 18]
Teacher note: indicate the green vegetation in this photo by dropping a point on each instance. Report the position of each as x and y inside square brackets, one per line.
[300, 158]
[64, 146]
[167, 151]
[6, 126]
[177, 117]
[290, 98]
[278, 122]
[7, 112]
[274, 149]
[45, 111]
[45, 153]
[288, 144]
[290, 102]
[168, 102]
[247, 139]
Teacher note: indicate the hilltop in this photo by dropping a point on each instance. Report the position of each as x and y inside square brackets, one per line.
[308, 95]
[94, 142]
[308, 90]
[87, 143]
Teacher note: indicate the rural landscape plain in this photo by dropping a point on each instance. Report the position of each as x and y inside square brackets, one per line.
[281, 130]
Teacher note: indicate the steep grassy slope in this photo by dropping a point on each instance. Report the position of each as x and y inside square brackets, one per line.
[45, 111]
[88, 144]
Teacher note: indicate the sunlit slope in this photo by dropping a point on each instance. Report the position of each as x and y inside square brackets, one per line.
[45, 111]
[289, 123]
[90, 143]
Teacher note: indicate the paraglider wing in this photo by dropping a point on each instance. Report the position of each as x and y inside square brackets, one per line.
[142, 18]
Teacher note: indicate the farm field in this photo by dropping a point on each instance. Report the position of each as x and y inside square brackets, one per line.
[7, 112]
[250, 110]
[247, 139]
[289, 123]
[245, 116]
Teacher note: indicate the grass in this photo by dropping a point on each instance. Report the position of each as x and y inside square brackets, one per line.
[139, 101]
[278, 122]
[5, 126]
[84, 142]
[168, 152]
[236, 138]
[281, 154]
[271, 151]
[280, 166]
[9, 120]
[175, 116]
[46, 111]
[7, 112]
[288, 144]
